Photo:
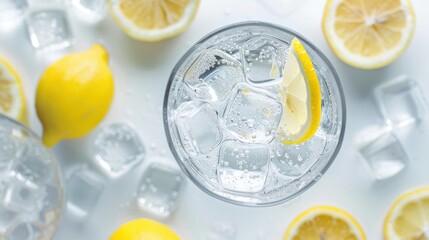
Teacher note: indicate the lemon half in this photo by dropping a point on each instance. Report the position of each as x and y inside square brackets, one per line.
[144, 229]
[368, 34]
[154, 20]
[301, 97]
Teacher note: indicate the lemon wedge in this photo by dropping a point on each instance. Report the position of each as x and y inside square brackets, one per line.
[368, 34]
[12, 98]
[301, 97]
[154, 20]
[144, 229]
[324, 222]
[408, 217]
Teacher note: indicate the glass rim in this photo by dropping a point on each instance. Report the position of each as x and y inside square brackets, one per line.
[337, 82]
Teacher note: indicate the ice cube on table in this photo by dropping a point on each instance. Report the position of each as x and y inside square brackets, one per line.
[401, 101]
[383, 154]
[198, 127]
[22, 196]
[93, 10]
[7, 219]
[213, 74]
[243, 167]
[49, 29]
[263, 58]
[10, 9]
[117, 148]
[159, 190]
[251, 116]
[84, 191]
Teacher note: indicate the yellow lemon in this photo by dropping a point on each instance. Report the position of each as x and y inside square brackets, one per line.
[324, 222]
[408, 217]
[301, 97]
[154, 20]
[12, 98]
[74, 94]
[144, 229]
[368, 34]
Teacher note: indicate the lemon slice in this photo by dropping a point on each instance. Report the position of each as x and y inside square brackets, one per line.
[153, 20]
[408, 217]
[12, 98]
[301, 97]
[324, 222]
[368, 34]
[144, 229]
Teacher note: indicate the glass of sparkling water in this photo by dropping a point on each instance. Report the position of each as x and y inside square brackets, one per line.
[31, 193]
[222, 109]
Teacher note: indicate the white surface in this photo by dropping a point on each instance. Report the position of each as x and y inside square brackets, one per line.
[141, 73]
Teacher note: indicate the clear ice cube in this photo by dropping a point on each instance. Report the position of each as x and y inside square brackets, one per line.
[24, 231]
[243, 167]
[117, 148]
[263, 59]
[22, 196]
[10, 9]
[401, 101]
[84, 191]
[7, 219]
[49, 29]
[383, 154]
[252, 117]
[214, 74]
[198, 127]
[159, 190]
[93, 10]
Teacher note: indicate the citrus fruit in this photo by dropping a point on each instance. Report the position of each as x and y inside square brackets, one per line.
[301, 97]
[368, 34]
[144, 229]
[154, 20]
[408, 217]
[12, 98]
[74, 94]
[324, 222]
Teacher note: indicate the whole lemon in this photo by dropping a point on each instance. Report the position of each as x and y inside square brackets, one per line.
[74, 94]
[144, 229]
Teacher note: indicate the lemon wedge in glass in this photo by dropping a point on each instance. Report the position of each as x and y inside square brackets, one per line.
[301, 97]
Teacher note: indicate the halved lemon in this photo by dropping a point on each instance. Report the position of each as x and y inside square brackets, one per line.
[144, 229]
[301, 97]
[368, 34]
[408, 217]
[324, 222]
[153, 20]
[12, 98]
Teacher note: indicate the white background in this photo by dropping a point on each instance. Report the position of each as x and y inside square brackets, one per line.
[141, 72]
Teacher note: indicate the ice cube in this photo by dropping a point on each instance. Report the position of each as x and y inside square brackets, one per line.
[263, 59]
[84, 190]
[198, 127]
[93, 10]
[225, 229]
[252, 116]
[159, 190]
[383, 154]
[243, 167]
[7, 219]
[24, 231]
[10, 9]
[214, 74]
[283, 7]
[401, 101]
[49, 29]
[22, 196]
[117, 148]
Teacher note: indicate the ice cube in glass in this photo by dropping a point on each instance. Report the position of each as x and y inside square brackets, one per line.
[7, 219]
[159, 190]
[117, 148]
[401, 101]
[49, 29]
[22, 196]
[243, 167]
[93, 10]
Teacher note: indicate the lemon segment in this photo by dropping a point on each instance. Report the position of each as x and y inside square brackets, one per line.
[301, 97]
[154, 20]
[368, 34]
[144, 229]
[74, 94]
[408, 217]
[12, 97]
[324, 222]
